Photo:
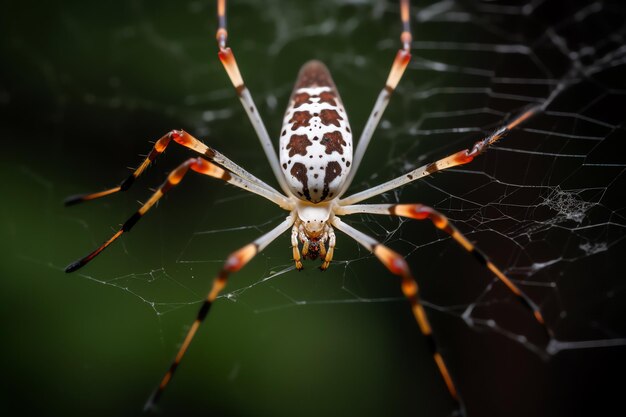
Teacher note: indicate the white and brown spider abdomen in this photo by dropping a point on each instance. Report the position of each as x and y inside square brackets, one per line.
[316, 140]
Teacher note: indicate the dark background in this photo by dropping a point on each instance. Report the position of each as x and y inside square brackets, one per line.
[84, 87]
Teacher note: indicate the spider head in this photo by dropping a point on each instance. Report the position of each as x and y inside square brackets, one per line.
[314, 238]
[313, 218]
[313, 229]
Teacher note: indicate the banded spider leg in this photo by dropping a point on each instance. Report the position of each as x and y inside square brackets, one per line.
[392, 260]
[199, 165]
[234, 263]
[312, 219]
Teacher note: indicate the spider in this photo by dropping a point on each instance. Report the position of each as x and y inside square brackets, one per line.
[314, 168]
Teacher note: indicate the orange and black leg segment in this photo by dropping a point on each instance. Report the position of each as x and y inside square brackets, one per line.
[459, 158]
[159, 147]
[234, 263]
[401, 61]
[422, 212]
[328, 254]
[199, 165]
[222, 33]
[227, 57]
[188, 141]
[466, 156]
[396, 264]
[297, 258]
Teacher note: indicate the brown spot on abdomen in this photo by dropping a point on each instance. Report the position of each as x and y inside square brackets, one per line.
[333, 141]
[299, 171]
[298, 144]
[328, 97]
[333, 170]
[330, 116]
[300, 99]
[314, 74]
[300, 119]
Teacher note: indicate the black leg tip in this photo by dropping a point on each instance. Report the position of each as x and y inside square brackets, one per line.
[74, 266]
[73, 200]
[150, 405]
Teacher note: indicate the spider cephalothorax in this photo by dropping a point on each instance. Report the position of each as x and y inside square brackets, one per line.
[317, 165]
[312, 228]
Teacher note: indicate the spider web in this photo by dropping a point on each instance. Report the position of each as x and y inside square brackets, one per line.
[544, 203]
[544, 197]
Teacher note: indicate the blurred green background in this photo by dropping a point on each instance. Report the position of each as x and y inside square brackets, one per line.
[86, 85]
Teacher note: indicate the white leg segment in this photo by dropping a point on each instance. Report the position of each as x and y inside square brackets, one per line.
[395, 74]
[230, 65]
[460, 158]
[294, 246]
